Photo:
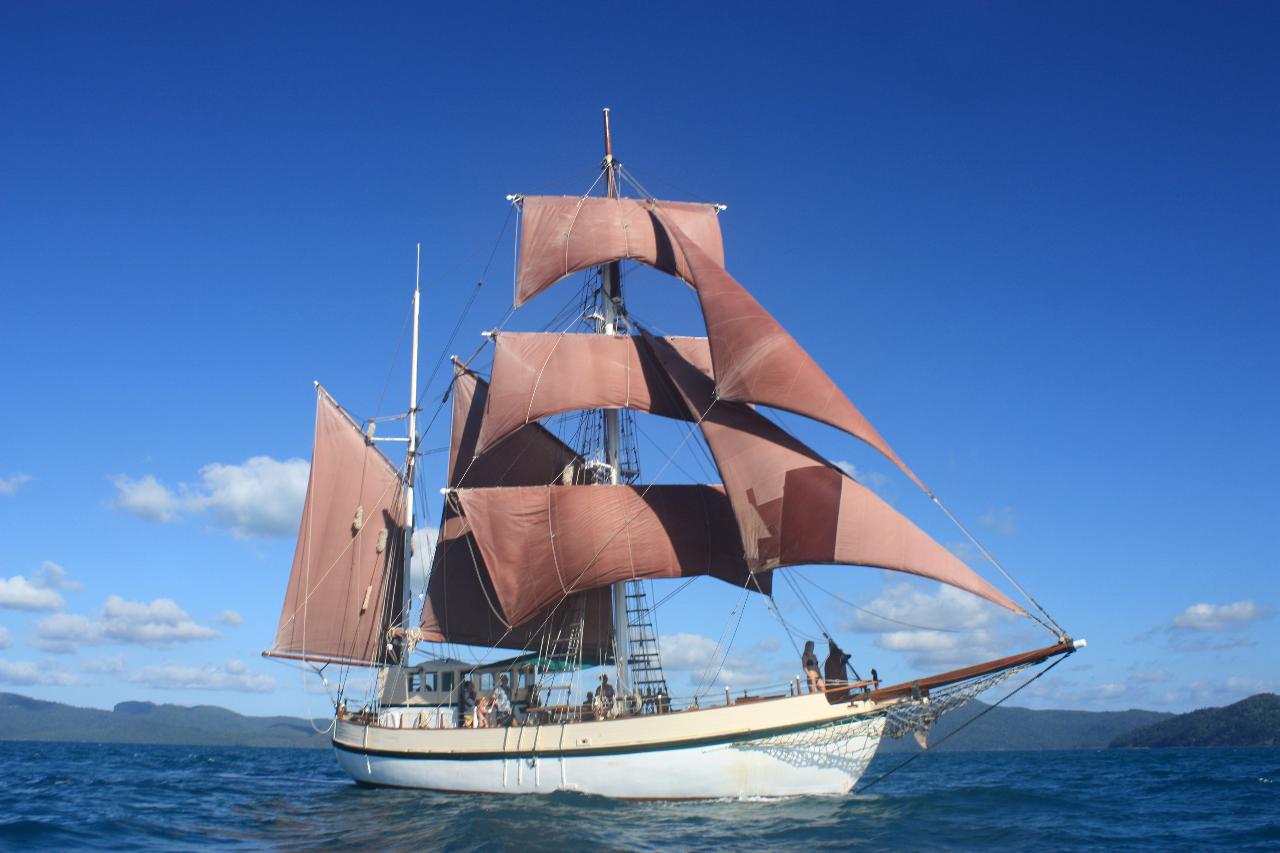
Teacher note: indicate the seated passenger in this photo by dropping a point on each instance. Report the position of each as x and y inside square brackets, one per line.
[502, 702]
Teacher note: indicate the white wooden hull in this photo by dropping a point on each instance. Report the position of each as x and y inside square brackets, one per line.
[780, 748]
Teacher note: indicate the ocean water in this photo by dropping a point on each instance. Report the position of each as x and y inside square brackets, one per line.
[78, 796]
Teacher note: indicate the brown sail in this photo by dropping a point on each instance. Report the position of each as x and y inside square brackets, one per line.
[540, 544]
[758, 361]
[536, 375]
[460, 605]
[560, 235]
[344, 591]
[795, 508]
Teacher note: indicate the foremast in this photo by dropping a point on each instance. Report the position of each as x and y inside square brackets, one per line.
[410, 462]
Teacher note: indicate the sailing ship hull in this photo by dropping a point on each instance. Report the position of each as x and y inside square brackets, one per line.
[775, 748]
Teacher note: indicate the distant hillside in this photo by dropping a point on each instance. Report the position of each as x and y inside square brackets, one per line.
[1250, 722]
[22, 718]
[1013, 729]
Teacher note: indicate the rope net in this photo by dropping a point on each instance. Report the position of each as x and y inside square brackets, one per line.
[922, 712]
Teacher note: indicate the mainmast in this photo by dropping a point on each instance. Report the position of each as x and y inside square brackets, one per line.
[611, 299]
[410, 462]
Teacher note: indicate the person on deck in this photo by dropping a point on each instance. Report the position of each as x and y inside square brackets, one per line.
[809, 662]
[467, 703]
[480, 720]
[604, 698]
[834, 667]
[502, 702]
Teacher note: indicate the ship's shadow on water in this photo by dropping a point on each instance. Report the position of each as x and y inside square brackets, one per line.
[79, 796]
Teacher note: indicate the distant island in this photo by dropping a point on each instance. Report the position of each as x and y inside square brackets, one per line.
[23, 718]
[1250, 722]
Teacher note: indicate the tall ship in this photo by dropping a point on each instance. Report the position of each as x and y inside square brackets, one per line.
[551, 544]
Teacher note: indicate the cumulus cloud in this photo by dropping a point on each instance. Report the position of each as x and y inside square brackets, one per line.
[937, 628]
[261, 497]
[9, 485]
[1219, 617]
[234, 676]
[1222, 691]
[1003, 520]
[159, 623]
[229, 617]
[40, 592]
[5, 640]
[700, 659]
[424, 549]
[28, 673]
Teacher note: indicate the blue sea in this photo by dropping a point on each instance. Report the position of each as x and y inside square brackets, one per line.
[56, 796]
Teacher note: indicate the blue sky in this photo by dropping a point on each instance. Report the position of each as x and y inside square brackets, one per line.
[1036, 246]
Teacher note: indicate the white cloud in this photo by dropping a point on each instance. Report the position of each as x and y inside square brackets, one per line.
[52, 576]
[1219, 692]
[873, 480]
[108, 666]
[700, 658]
[229, 617]
[233, 676]
[261, 497]
[30, 673]
[10, 485]
[18, 593]
[1158, 676]
[1219, 617]
[146, 498]
[935, 629]
[1003, 520]
[159, 623]
[424, 549]
[5, 640]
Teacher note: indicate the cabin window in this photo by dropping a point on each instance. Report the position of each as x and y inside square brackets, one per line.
[446, 680]
[415, 682]
[428, 682]
[486, 681]
[526, 678]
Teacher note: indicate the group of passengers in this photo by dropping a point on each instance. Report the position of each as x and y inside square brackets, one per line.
[482, 712]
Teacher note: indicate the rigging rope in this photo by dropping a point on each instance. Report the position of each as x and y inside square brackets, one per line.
[872, 612]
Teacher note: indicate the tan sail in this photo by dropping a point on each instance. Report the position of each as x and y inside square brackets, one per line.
[794, 508]
[560, 235]
[541, 544]
[758, 361]
[344, 591]
[536, 375]
[461, 605]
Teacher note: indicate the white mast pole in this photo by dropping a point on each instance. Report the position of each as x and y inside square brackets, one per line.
[411, 456]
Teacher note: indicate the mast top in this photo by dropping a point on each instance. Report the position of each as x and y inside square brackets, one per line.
[608, 143]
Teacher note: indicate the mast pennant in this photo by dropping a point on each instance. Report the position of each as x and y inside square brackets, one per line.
[344, 592]
[560, 235]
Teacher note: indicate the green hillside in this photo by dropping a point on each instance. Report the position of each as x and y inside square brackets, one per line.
[1250, 722]
[22, 718]
[1010, 729]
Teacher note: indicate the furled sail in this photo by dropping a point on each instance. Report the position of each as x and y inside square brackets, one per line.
[560, 235]
[536, 375]
[794, 508]
[461, 606]
[344, 591]
[758, 361]
[541, 544]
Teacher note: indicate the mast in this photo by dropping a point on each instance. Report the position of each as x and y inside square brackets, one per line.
[410, 461]
[611, 293]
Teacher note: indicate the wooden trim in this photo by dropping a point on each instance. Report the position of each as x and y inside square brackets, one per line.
[924, 685]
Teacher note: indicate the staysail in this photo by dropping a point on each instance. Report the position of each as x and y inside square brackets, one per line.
[344, 591]
[560, 235]
[536, 375]
[793, 507]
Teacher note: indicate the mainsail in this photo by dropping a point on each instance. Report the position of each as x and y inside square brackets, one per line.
[344, 592]
[560, 235]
